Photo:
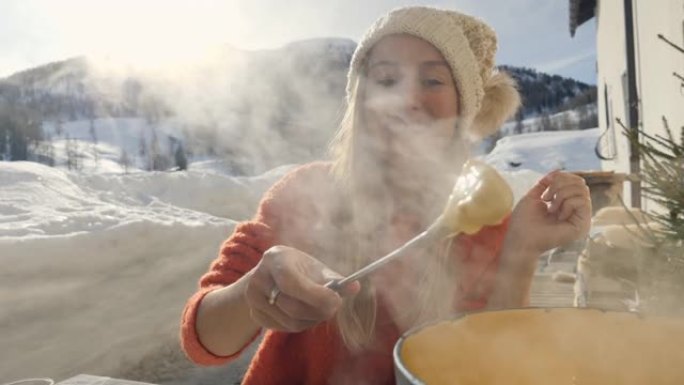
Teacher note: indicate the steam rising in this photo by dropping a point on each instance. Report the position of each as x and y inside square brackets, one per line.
[254, 109]
[261, 109]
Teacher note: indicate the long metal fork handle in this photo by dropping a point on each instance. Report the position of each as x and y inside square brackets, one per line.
[419, 242]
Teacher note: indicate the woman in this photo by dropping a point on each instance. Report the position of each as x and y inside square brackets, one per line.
[422, 83]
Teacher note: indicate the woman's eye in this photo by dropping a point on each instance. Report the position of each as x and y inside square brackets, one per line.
[387, 82]
[432, 82]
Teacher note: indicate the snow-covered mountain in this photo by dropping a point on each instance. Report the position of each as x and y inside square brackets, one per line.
[580, 117]
[259, 109]
[256, 109]
[545, 93]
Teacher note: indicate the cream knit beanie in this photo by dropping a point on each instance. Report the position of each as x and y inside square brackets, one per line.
[487, 97]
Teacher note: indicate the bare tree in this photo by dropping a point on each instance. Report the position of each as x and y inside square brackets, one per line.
[518, 129]
[565, 123]
[545, 122]
[70, 153]
[181, 159]
[142, 145]
[59, 127]
[124, 160]
[93, 143]
[588, 117]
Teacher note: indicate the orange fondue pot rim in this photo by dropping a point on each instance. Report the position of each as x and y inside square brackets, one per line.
[403, 370]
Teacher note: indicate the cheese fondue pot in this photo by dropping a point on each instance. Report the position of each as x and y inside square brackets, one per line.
[564, 346]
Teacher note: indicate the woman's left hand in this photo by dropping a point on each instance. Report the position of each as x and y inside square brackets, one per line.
[556, 211]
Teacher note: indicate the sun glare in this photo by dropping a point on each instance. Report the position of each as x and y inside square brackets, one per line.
[146, 34]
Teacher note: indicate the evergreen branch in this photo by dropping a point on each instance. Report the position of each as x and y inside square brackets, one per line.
[641, 235]
[661, 141]
[666, 40]
[662, 176]
[645, 148]
[647, 233]
[678, 76]
[670, 141]
[649, 150]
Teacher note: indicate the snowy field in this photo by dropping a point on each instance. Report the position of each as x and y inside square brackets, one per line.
[96, 266]
[523, 159]
[547, 151]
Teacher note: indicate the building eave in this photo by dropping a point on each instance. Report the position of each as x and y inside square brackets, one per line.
[580, 12]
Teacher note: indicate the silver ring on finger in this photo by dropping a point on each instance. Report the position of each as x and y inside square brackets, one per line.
[273, 295]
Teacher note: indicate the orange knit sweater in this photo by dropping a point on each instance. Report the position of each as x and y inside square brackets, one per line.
[290, 214]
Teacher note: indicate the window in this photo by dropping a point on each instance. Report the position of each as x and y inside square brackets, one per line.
[605, 146]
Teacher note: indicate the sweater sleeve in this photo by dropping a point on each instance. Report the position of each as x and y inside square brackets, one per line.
[240, 253]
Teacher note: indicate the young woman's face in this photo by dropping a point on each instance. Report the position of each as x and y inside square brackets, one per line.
[410, 104]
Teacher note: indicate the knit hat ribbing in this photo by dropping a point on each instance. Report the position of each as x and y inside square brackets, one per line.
[468, 45]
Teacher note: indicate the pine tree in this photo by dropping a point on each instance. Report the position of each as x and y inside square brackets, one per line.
[50, 152]
[69, 149]
[142, 145]
[93, 143]
[588, 117]
[662, 179]
[565, 123]
[181, 159]
[545, 122]
[21, 129]
[662, 265]
[78, 157]
[519, 127]
[154, 151]
[4, 143]
[124, 161]
[662, 176]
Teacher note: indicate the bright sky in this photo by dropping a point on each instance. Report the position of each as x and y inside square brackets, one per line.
[532, 33]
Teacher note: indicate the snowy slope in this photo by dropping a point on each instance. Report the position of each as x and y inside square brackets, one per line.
[564, 121]
[113, 136]
[546, 151]
[96, 268]
[523, 159]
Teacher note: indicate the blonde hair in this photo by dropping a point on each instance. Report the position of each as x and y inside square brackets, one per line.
[487, 98]
[368, 214]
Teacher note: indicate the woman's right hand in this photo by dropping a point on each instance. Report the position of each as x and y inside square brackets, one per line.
[303, 301]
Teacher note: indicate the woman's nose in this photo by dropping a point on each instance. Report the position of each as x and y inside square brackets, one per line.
[411, 96]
